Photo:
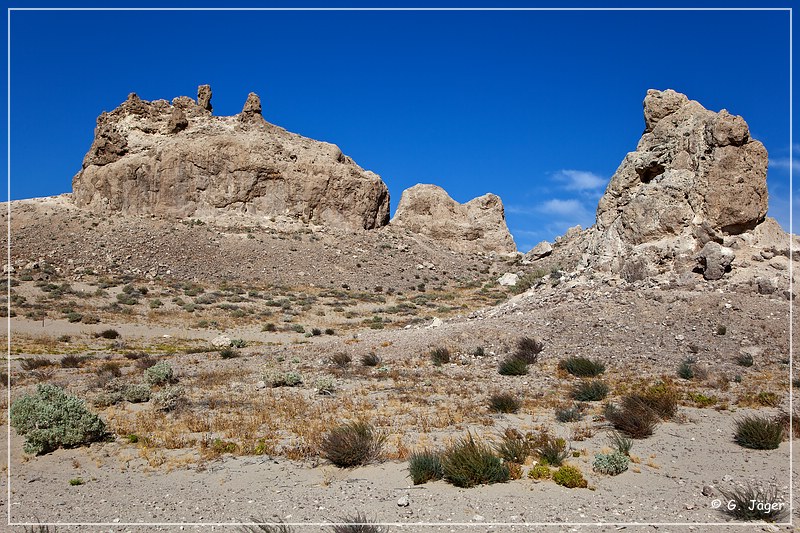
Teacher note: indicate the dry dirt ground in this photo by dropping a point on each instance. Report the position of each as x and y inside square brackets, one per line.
[303, 301]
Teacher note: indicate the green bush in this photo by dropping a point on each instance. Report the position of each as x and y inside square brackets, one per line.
[238, 343]
[552, 450]
[353, 444]
[110, 334]
[52, 418]
[570, 477]
[758, 432]
[540, 472]
[620, 443]
[504, 402]
[468, 463]
[611, 463]
[686, 368]
[425, 466]
[159, 373]
[511, 366]
[285, 379]
[573, 413]
[590, 391]
[513, 448]
[582, 367]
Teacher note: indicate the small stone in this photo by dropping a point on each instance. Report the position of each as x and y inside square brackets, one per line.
[261, 385]
[404, 501]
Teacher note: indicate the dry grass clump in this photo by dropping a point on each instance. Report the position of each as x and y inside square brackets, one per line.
[759, 432]
[582, 367]
[353, 444]
[633, 417]
[440, 356]
[468, 463]
[751, 502]
[590, 391]
[357, 524]
[528, 350]
[504, 402]
[512, 366]
[552, 450]
[514, 447]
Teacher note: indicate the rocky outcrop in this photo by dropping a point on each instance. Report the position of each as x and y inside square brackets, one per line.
[697, 179]
[476, 226]
[176, 159]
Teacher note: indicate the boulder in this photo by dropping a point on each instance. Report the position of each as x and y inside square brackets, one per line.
[240, 164]
[476, 226]
[508, 279]
[204, 97]
[715, 260]
[543, 249]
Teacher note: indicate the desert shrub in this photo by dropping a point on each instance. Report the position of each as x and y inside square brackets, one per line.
[326, 385]
[511, 366]
[297, 328]
[283, 379]
[329, 331]
[228, 353]
[52, 418]
[513, 448]
[611, 463]
[589, 391]
[504, 402]
[769, 506]
[528, 350]
[353, 444]
[370, 359]
[440, 356]
[39, 528]
[168, 399]
[238, 343]
[145, 362]
[540, 471]
[552, 450]
[686, 370]
[34, 362]
[425, 466]
[634, 417]
[582, 367]
[758, 432]
[570, 477]
[661, 398]
[701, 400]
[722, 329]
[316, 332]
[109, 368]
[136, 393]
[341, 359]
[357, 524]
[74, 317]
[620, 443]
[768, 399]
[108, 334]
[73, 361]
[270, 327]
[468, 463]
[744, 359]
[159, 373]
[573, 413]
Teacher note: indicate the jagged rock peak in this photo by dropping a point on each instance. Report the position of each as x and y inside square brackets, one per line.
[179, 160]
[476, 226]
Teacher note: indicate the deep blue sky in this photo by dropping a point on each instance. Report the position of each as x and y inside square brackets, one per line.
[537, 107]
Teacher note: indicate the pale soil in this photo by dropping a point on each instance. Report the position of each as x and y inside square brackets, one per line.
[641, 331]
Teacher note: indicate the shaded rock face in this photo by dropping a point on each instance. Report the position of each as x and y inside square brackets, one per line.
[178, 160]
[696, 177]
[476, 226]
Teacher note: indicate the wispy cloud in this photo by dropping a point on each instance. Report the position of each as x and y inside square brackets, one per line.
[785, 163]
[580, 180]
[572, 208]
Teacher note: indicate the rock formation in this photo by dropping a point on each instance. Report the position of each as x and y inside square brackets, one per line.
[695, 184]
[176, 159]
[476, 226]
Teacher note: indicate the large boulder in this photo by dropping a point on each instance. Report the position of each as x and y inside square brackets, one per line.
[476, 226]
[696, 177]
[178, 160]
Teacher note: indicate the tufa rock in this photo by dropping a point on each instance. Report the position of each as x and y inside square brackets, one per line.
[204, 97]
[221, 165]
[476, 226]
[695, 178]
[508, 279]
[543, 249]
[252, 109]
[177, 121]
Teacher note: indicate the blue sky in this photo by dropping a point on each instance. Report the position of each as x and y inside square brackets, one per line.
[538, 107]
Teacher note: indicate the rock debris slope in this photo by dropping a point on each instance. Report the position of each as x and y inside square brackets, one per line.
[177, 160]
[476, 226]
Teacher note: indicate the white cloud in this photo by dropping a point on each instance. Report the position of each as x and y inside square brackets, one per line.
[572, 208]
[580, 180]
[785, 163]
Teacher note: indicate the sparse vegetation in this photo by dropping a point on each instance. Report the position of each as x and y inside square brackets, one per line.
[109, 334]
[552, 451]
[528, 350]
[34, 362]
[750, 502]
[511, 366]
[611, 464]
[744, 359]
[353, 444]
[159, 374]
[440, 356]
[570, 477]
[370, 359]
[582, 367]
[634, 417]
[572, 413]
[513, 448]
[620, 443]
[468, 463]
[341, 359]
[540, 471]
[425, 466]
[51, 418]
[758, 432]
[357, 524]
[504, 402]
[590, 391]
